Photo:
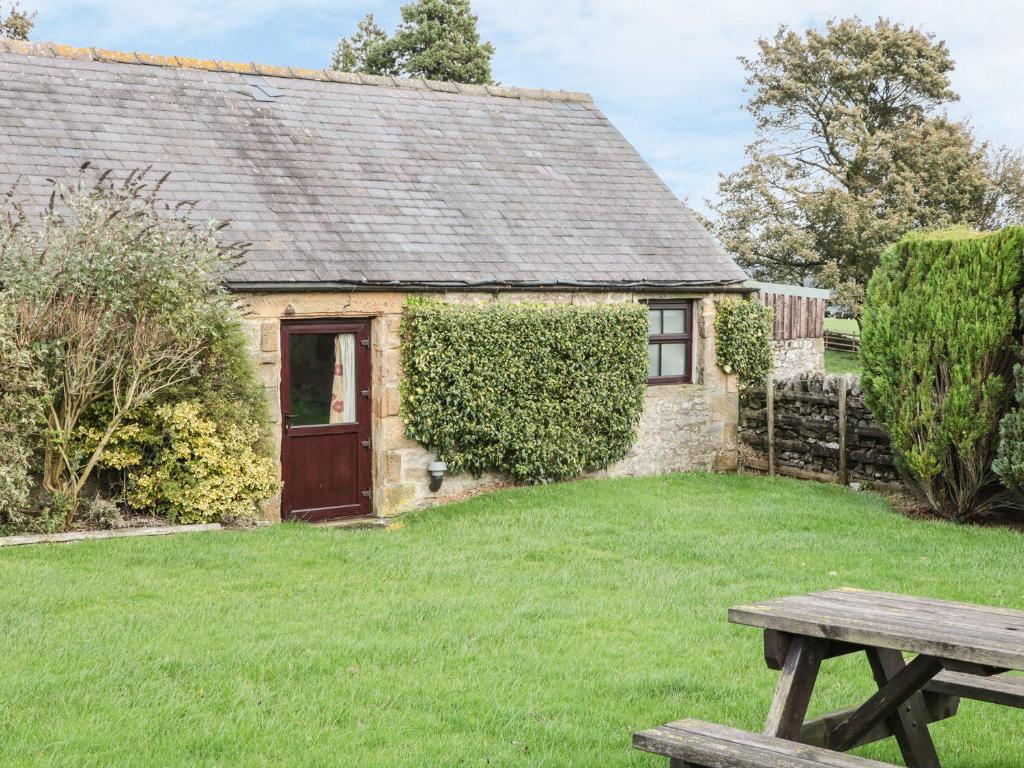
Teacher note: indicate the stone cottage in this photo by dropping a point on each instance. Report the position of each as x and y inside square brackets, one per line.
[355, 192]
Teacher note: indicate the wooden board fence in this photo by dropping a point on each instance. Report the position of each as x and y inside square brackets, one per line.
[796, 317]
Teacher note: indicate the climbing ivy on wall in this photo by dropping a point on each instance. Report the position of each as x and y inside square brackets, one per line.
[540, 392]
[743, 339]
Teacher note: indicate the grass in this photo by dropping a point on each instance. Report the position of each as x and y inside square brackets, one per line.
[841, 362]
[842, 325]
[534, 627]
[837, 361]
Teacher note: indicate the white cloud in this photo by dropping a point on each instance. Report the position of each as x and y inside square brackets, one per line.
[665, 71]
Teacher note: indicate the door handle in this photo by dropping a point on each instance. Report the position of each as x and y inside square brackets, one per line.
[286, 419]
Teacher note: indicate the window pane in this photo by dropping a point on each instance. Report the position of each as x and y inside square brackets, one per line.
[654, 322]
[652, 360]
[674, 321]
[673, 359]
[322, 378]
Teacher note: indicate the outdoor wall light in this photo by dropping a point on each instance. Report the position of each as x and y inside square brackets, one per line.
[436, 470]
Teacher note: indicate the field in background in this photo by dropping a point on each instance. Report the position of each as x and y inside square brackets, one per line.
[838, 360]
[842, 325]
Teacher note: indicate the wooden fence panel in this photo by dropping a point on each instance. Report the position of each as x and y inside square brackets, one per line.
[796, 317]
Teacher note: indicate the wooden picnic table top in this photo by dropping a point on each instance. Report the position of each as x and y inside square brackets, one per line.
[975, 634]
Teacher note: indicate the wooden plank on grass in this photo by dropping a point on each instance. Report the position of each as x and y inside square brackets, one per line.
[718, 746]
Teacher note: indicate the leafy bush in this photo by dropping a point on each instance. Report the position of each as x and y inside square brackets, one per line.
[1009, 463]
[119, 301]
[538, 392]
[229, 441]
[103, 513]
[22, 417]
[938, 346]
[743, 339]
[186, 466]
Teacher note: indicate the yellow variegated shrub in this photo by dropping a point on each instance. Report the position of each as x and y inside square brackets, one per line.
[203, 470]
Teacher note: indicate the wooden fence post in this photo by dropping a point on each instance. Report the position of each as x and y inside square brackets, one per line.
[770, 418]
[843, 383]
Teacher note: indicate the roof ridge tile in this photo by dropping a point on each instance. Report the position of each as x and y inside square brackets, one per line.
[59, 51]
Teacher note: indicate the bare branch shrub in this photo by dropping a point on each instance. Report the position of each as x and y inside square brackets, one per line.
[115, 295]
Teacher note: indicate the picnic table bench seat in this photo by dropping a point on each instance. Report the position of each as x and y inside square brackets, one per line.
[1006, 690]
[696, 744]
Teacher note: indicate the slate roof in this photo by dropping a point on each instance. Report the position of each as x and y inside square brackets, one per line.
[348, 180]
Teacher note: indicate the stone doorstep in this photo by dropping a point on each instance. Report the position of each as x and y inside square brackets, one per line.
[117, 533]
[363, 521]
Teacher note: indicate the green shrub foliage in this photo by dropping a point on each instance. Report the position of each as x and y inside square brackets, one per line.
[116, 301]
[1009, 463]
[538, 392]
[198, 453]
[743, 339]
[22, 417]
[938, 346]
[190, 468]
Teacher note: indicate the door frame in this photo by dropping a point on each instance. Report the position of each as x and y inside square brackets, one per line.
[361, 327]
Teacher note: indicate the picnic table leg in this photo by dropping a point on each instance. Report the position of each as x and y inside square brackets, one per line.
[909, 723]
[793, 694]
[898, 703]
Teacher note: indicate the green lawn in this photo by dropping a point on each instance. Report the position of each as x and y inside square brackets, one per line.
[536, 627]
[842, 325]
[842, 362]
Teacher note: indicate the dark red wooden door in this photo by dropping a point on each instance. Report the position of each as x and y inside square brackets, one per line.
[325, 409]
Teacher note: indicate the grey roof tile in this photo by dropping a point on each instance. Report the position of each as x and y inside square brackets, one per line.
[359, 179]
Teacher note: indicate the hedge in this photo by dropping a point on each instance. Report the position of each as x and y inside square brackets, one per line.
[939, 339]
[743, 339]
[540, 392]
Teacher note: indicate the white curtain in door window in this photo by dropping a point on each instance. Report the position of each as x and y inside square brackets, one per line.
[343, 386]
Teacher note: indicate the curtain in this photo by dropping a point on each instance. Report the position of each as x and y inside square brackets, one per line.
[343, 385]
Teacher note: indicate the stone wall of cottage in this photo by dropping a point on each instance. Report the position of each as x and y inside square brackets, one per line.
[683, 427]
[796, 356]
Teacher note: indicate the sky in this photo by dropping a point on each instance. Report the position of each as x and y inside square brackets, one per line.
[664, 71]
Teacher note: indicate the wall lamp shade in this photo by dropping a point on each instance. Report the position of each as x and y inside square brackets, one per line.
[436, 469]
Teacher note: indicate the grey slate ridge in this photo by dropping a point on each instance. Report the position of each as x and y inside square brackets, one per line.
[342, 181]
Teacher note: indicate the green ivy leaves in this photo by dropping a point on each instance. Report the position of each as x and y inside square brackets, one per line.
[743, 339]
[540, 392]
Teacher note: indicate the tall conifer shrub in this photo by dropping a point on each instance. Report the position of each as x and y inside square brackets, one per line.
[940, 337]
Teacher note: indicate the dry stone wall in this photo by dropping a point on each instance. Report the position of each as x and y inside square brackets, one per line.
[819, 428]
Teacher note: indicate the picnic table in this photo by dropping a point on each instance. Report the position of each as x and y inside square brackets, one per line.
[959, 651]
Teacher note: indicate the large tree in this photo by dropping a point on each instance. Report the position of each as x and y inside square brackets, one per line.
[853, 150]
[17, 24]
[368, 51]
[437, 39]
